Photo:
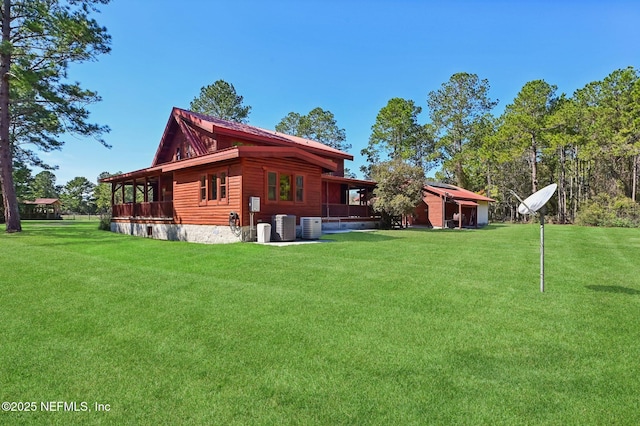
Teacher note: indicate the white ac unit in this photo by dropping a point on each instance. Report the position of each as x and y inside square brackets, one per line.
[311, 227]
[284, 228]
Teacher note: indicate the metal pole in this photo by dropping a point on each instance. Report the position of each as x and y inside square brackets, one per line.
[251, 226]
[541, 252]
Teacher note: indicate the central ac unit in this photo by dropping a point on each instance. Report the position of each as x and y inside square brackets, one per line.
[284, 227]
[311, 227]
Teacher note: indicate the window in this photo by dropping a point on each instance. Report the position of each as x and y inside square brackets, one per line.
[223, 185]
[178, 156]
[213, 187]
[285, 188]
[272, 179]
[203, 188]
[299, 189]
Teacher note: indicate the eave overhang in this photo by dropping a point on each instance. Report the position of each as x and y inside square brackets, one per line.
[225, 155]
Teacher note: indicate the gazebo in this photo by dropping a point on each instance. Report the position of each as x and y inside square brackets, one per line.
[41, 208]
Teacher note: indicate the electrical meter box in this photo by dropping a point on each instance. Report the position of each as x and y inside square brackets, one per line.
[254, 204]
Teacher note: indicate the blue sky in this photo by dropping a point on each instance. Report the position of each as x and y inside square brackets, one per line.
[348, 57]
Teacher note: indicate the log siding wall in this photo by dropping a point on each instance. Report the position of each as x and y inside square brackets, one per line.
[255, 185]
[434, 203]
[246, 178]
[186, 195]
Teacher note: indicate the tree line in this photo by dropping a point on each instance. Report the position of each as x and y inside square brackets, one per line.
[78, 196]
[588, 143]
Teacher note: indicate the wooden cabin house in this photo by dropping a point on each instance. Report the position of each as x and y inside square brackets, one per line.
[206, 171]
[449, 206]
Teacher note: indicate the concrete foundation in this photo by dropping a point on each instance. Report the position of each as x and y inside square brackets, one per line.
[206, 234]
[349, 224]
[219, 234]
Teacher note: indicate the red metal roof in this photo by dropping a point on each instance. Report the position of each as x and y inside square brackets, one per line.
[212, 124]
[251, 151]
[456, 193]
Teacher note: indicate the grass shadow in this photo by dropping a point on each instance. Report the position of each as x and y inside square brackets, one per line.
[361, 236]
[489, 227]
[613, 289]
[58, 233]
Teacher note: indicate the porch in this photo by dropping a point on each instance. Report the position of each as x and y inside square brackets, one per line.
[151, 209]
[347, 199]
[346, 210]
[142, 196]
[460, 214]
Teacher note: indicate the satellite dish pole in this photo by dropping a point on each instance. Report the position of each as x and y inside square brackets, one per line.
[542, 212]
[535, 203]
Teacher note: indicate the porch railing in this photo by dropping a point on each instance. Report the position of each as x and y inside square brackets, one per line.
[346, 210]
[155, 209]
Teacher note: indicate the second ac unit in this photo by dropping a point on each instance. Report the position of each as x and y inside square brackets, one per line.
[311, 227]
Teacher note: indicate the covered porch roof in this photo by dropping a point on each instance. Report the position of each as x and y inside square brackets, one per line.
[465, 203]
[455, 193]
[356, 183]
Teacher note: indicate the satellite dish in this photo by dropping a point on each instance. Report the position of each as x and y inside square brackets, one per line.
[535, 201]
[531, 205]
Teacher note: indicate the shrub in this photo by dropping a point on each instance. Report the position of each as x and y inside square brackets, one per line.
[105, 222]
[603, 210]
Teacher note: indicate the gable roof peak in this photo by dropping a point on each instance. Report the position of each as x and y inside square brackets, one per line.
[209, 123]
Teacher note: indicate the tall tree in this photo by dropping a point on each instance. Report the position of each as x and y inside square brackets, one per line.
[44, 185]
[607, 137]
[40, 39]
[77, 195]
[525, 125]
[23, 181]
[221, 100]
[319, 125]
[481, 158]
[618, 133]
[396, 134]
[563, 145]
[457, 111]
[632, 132]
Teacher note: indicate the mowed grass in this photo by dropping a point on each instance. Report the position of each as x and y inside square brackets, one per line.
[384, 327]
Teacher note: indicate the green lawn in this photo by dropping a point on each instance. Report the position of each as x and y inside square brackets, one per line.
[385, 327]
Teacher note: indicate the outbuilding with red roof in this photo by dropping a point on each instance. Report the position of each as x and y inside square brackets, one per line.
[449, 206]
